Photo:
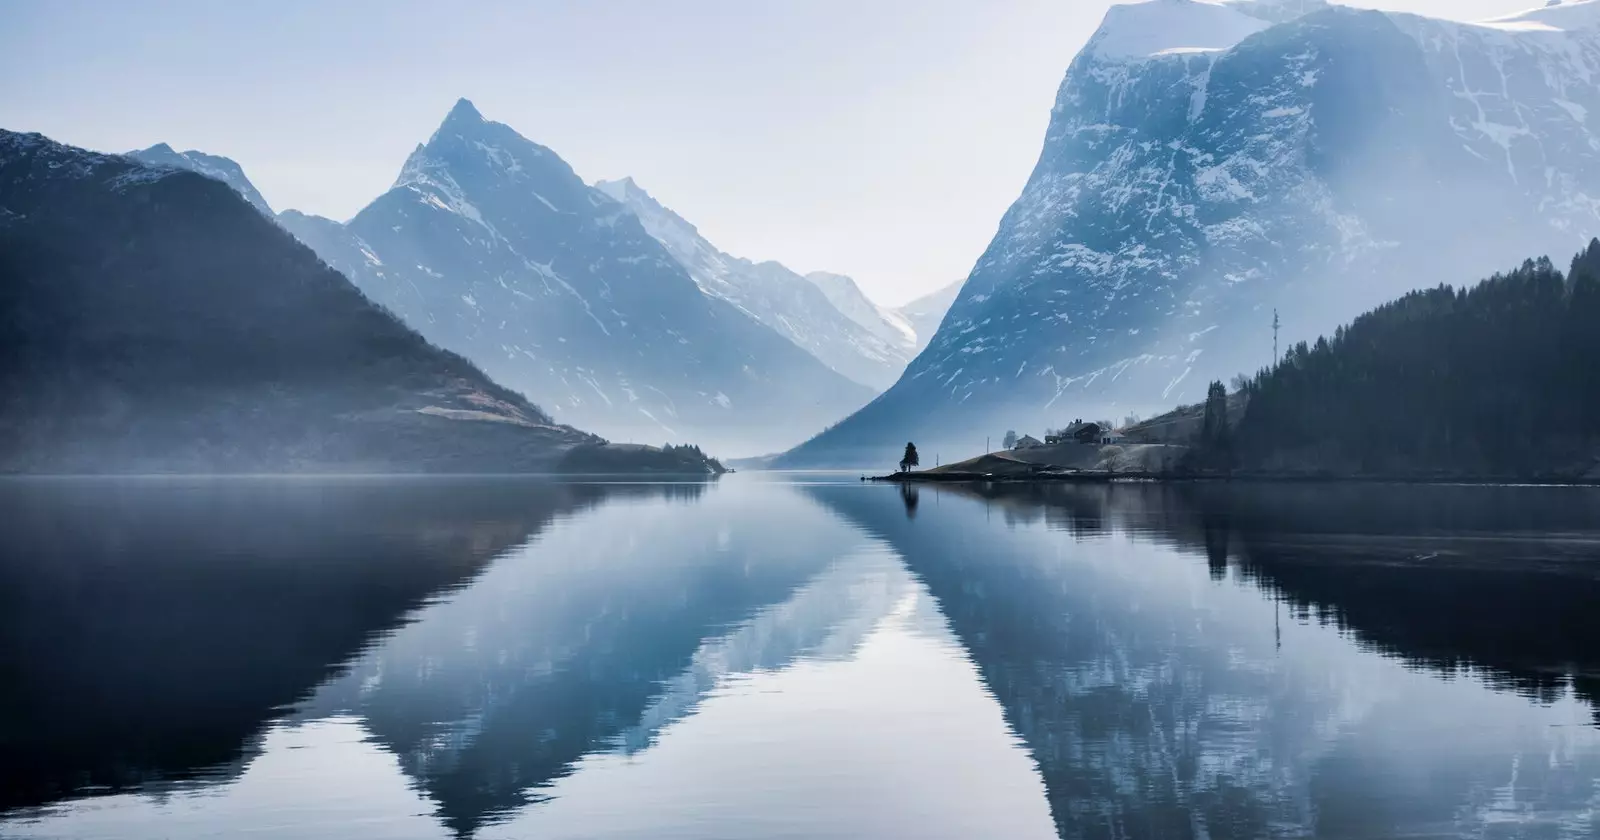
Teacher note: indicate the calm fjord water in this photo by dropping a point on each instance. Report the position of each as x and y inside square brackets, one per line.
[796, 657]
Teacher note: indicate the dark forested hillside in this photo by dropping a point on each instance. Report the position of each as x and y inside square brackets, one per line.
[152, 320]
[1502, 379]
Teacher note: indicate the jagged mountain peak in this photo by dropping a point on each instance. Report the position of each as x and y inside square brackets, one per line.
[627, 191]
[463, 113]
[494, 247]
[678, 235]
[478, 168]
[15, 144]
[620, 187]
[466, 140]
[212, 166]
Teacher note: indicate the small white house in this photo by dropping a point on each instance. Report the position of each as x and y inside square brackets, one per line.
[1027, 442]
[1113, 436]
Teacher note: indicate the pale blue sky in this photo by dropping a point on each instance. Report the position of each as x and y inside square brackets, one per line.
[878, 138]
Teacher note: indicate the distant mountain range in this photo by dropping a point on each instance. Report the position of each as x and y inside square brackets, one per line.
[1208, 163]
[154, 321]
[491, 246]
[926, 313]
[798, 308]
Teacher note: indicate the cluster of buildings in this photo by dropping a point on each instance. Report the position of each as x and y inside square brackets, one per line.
[1076, 432]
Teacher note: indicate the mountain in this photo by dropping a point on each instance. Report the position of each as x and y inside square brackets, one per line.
[926, 313]
[1208, 163]
[212, 166]
[848, 298]
[491, 246]
[1497, 380]
[154, 321]
[772, 294]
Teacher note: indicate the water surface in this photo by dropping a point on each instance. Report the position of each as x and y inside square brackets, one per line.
[795, 656]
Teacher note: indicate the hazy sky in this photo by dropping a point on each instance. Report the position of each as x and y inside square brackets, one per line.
[878, 138]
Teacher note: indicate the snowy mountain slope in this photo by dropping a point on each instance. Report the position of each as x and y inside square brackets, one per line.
[155, 322]
[1189, 186]
[848, 298]
[1170, 27]
[1558, 15]
[770, 293]
[490, 245]
[212, 166]
[926, 313]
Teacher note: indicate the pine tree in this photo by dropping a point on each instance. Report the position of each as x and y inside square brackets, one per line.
[1496, 380]
[910, 458]
[1214, 428]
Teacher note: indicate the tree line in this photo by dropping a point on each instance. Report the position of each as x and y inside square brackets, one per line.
[1500, 379]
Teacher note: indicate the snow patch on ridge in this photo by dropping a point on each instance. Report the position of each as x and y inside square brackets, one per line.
[1558, 16]
[1171, 27]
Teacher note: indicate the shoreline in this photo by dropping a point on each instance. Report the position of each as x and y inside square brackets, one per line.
[1098, 477]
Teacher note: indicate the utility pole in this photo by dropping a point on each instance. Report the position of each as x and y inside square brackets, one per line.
[986, 445]
[1275, 337]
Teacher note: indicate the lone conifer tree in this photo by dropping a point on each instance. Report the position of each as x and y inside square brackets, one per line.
[1010, 441]
[910, 459]
[1214, 428]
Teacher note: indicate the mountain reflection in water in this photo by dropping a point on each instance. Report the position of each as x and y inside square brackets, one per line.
[1160, 698]
[816, 658]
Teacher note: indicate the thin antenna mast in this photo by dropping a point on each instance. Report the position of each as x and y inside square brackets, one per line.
[1275, 337]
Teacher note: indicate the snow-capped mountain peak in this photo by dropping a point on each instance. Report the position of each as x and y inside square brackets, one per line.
[708, 266]
[212, 166]
[1208, 162]
[493, 247]
[1134, 31]
[463, 112]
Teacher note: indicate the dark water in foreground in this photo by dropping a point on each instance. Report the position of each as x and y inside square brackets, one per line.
[807, 658]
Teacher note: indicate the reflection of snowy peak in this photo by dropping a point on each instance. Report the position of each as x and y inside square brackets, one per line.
[1207, 162]
[772, 294]
[491, 245]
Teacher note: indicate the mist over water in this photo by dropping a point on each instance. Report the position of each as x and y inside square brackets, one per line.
[795, 656]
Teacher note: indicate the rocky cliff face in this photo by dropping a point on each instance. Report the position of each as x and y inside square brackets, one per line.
[1207, 163]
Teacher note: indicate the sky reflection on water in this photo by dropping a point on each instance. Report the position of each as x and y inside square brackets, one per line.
[810, 658]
